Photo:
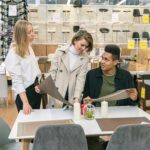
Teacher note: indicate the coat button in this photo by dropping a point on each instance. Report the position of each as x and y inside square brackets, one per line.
[60, 71]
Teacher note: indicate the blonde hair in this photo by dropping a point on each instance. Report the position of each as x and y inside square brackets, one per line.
[20, 37]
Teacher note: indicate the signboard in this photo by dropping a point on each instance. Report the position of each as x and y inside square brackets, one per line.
[131, 44]
[145, 19]
[143, 44]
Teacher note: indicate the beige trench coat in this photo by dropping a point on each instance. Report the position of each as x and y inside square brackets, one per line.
[65, 78]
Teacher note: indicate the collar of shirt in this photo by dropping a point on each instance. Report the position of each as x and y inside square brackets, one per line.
[73, 50]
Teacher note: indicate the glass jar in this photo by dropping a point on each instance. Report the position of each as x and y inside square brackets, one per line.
[88, 111]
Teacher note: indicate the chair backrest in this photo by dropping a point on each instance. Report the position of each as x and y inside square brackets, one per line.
[145, 35]
[4, 133]
[3, 86]
[136, 13]
[104, 30]
[60, 137]
[146, 11]
[130, 137]
[135, 35]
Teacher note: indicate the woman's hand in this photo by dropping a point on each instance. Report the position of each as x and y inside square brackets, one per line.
[37, 90]
[27, 109]
[87, 100]
[76, 100]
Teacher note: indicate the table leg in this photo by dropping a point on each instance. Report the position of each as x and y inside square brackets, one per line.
[6, 102]
[11, 96]
[25, 144]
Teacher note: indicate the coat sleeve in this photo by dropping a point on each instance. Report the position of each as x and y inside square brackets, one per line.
[55, 63]
[80, 80]
[86, 86]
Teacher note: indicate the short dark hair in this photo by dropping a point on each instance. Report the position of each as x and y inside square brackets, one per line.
[83, 34]
[114, 50]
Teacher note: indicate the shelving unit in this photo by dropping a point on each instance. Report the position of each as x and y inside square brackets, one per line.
[54, 23]
[8, 22]
[0, 30]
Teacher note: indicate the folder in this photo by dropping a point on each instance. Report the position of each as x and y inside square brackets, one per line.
[48, 86]
[118, 95]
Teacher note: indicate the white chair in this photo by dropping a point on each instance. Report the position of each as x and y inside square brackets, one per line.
[5, 90]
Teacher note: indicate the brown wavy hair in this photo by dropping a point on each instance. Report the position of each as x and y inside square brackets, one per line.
[83, 34]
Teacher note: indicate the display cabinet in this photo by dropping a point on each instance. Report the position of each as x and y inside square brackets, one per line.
[112, 24]
[11, 11]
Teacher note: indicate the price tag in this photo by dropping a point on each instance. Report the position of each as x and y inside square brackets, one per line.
[115, 17]
[145, 19]
[131, 44]
[143, 44]
[56, 17]
[143, 92]
[2, 69]
[12, 10]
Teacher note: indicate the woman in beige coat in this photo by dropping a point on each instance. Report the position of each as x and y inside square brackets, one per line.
[69, 66]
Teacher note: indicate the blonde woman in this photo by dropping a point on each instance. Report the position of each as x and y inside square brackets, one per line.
[23, 67]
[69, 66]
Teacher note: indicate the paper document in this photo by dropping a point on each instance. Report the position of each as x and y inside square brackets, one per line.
[118, 95]
[48, 86]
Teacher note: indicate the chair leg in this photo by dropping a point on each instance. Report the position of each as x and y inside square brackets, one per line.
[25, 144]
[11, 96]
[6, 101]
[144, 104]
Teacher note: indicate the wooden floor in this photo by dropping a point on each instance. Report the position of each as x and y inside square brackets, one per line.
[8, 114]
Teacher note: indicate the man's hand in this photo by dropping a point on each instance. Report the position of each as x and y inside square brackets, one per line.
[133, 94]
